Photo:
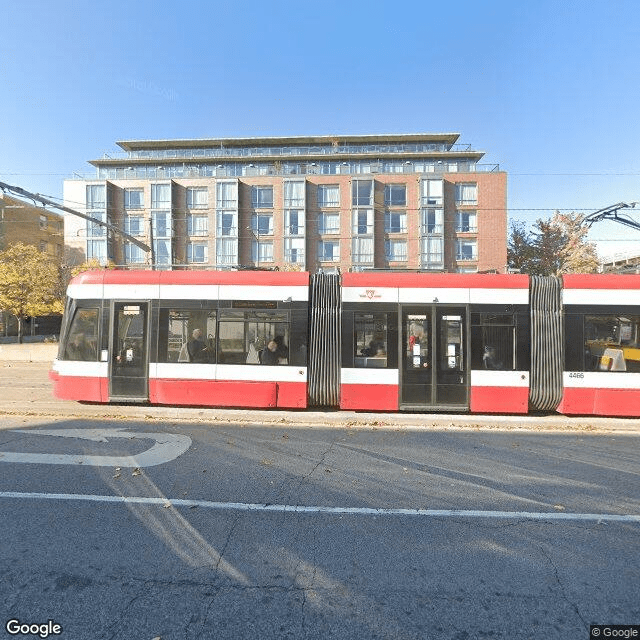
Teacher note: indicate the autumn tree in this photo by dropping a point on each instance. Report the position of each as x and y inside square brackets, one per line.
[552, 247]
[29, 283]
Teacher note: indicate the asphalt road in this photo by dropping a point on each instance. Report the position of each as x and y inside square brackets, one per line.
[213, 529]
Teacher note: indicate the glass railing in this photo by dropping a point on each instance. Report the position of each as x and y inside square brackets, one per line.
[235, 170]
[287, 151]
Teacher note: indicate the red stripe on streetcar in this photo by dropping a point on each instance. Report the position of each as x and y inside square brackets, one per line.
[499, 399]
[79, 388]
[436, 280]
[226, 393]
[600, 402]
[240, 278]
[601, 281]
[373, 397]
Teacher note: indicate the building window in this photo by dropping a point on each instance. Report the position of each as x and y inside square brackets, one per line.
[133, 225]
[133, 254]
[161, 224]
[395, 222]
[328, 195]
[96, 196]
[294, 250]
[197, 198]
[134, 198]
[294, 223]
[362, 193]
[197, 224]
[466, 193]
[226, 251]
[432, 221]
[466, 250]
[197, 252]
[294, 194]
[161, 196]
[395, 195]
[363, 222]
[329, 223]
[432, 252]
[262, 197]
[466, 222]
[261, 251]
[163, 251]
[431, 193]
[424, 167]
[262, 224]
[43, 222]
[328, 251]
[395, 250]
[95, 230]
[97, 250]
[362, 251]
[226, 224]
[226, 195]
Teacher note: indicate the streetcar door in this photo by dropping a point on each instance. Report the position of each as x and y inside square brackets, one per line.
[434, 370]
[128, 348]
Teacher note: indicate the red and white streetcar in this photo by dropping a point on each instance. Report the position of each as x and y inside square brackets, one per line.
[371, 341]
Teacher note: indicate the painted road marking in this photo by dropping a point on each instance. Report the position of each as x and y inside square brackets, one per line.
[368, 511]
[167, 447]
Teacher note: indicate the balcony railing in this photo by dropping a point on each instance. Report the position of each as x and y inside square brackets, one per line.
[238, 170]
[286, 151]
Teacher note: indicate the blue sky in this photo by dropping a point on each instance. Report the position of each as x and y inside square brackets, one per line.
[549, 90]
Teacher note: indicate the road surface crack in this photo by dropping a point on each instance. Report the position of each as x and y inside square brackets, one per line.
[563, 592]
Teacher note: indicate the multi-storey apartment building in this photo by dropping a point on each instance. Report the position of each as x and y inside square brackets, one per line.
[23, 222]
[409, 201]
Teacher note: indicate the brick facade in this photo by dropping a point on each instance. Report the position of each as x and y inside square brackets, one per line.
[408, 232]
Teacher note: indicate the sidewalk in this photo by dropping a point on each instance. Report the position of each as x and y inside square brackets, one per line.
[29, 352]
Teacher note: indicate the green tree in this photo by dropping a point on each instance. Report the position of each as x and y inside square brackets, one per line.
[553, 247]
[520, 249]
[29, 283]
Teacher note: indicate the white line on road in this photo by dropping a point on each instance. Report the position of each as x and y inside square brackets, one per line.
[287, 508]
[167, 447]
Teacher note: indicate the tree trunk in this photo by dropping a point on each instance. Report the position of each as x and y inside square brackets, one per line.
[20, 326]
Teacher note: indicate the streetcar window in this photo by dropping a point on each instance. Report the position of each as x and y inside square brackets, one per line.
[187, 335]
[370, 339]
[493, 341]
[417, 333]
[82, 339]
[611, 343]
[254, 337]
